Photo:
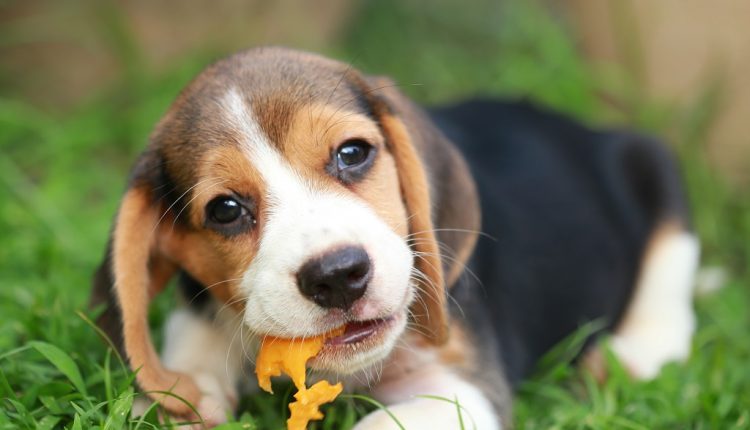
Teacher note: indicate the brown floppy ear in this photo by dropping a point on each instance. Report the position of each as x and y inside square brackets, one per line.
[440, 198]
[135, 270]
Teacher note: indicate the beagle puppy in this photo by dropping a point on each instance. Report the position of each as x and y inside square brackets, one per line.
[291, 194]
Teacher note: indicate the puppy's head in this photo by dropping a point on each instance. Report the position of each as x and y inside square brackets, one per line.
[292, 188]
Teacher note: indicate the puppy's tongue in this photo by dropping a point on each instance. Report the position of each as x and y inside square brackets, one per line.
[356, 331]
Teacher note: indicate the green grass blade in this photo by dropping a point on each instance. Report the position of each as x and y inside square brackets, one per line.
[63, 362]
[48, 422]
[459, 408]
[377, 404]
[142, 419]
[76, 423]
[120, 410]
[460, 415]
[5, 389]
[23, 414]
[104, 336]
[14, 351]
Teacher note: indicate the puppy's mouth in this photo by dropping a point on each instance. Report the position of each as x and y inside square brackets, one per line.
[359, 345]
[360, 331]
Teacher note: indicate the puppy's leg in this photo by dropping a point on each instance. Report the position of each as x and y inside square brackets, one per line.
[415, 412]
[451, 372]
[658, 324]
[209, 350]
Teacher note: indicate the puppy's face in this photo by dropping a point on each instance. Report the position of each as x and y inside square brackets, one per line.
[286, 202]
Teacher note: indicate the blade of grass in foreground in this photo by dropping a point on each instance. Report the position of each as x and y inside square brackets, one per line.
[377, 404]
[459, 409]
[63, 362]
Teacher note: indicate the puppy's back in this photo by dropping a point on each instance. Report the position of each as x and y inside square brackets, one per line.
[567, 212]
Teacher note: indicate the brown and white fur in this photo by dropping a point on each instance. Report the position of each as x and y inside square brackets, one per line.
[263, 127]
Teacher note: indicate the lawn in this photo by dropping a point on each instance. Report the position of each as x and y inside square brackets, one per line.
[61, 175]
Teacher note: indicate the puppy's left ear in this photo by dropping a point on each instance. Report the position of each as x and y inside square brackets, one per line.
[440, 199]
[135, 269]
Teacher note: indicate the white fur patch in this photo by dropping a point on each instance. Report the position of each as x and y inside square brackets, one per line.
[413, 411]
[209, 353]
[659, 323]
[302, 222]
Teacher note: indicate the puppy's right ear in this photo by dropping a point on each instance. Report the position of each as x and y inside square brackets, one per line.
[439, 196]
[134, 270]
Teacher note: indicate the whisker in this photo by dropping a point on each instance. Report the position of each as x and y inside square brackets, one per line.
[175, 202]
[205, 289]
[454, 230]
[449, 296]
[346, 71]
[174, 222]
[236, 330]
[340, 121]
[465, 268]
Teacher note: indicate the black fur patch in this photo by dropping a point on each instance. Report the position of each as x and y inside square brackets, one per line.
[569, 211]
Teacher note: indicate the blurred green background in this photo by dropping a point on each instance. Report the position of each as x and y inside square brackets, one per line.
[83, 82]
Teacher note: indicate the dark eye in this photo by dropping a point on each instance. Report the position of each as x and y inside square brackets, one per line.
[228, 215]
[352, 153]
[225, 210]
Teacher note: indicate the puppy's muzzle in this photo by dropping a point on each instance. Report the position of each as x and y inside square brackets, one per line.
[336, 279]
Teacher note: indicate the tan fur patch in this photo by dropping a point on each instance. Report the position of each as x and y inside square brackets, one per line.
[459, 350]
[225, 170]
[462, 214]
[430, 311]
[215, 261]
[315, 134]
[274, 115]
[134, 237]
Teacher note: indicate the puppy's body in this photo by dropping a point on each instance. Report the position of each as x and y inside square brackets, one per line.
[567, 214]
[336, 171]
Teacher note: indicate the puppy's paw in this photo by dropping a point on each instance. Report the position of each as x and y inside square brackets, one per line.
[378, 420]
[212, 412]
[216, 404]
[420, 415]
[218, 401]
[434, 414]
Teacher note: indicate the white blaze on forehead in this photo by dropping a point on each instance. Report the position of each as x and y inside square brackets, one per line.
[284, 186]
[241, 119]
[301, 222]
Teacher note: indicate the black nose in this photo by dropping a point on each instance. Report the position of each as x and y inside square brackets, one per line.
[336, 279]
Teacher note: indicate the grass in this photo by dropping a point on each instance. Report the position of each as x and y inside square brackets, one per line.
[61, 175]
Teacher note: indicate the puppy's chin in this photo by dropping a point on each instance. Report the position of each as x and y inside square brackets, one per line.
[347, 358]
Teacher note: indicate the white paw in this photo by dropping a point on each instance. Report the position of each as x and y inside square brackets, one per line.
[644, 353]
[431, 414]
[378, 420]
[658, 325]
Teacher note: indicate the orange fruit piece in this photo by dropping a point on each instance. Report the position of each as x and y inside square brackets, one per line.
[306, 407]
[289, 356]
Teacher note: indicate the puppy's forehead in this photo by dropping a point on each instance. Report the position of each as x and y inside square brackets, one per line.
[274, 83]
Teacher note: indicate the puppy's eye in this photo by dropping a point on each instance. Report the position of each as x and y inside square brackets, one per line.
[352, 153]
[352, 160]
[225, 210]
[228, 215]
